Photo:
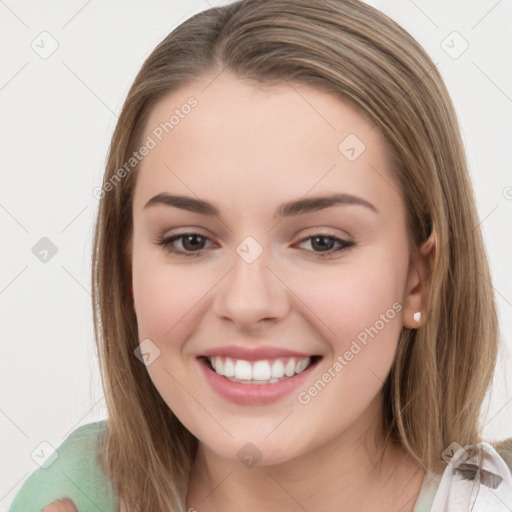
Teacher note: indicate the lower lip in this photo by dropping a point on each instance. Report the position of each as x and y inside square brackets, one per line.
[253, 394]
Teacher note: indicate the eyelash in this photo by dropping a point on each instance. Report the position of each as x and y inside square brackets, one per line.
[166, 243]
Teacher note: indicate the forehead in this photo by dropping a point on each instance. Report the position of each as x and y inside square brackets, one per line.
[244, 141]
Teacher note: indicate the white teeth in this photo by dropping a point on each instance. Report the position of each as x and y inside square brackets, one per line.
[258, 372]
[277, 369]
[229, 368]
[243, 370]
[289, 369]
[261, 371]
[219, 367]
[301, 366]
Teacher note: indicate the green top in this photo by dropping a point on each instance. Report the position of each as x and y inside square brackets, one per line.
[76, 474]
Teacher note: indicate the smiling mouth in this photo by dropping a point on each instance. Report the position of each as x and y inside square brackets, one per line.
[265, 371]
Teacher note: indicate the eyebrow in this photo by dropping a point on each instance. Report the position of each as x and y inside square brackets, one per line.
[288, 209]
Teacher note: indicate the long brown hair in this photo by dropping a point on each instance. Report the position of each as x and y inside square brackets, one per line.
[442, 370]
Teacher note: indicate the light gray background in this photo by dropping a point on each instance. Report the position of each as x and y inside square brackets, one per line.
[58, 114]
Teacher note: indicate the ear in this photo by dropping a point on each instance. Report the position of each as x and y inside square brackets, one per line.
[417, 284]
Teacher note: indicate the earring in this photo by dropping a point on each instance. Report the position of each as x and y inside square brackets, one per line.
[417, 317]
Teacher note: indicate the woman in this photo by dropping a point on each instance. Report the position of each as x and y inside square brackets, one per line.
[292, 301]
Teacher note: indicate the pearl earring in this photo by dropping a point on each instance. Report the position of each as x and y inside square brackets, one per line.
[417, 317]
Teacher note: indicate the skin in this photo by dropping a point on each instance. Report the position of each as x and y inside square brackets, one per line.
[63, 505]
[248, 148]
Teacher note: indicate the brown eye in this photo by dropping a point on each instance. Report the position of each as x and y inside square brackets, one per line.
[323, 244]
[192, 244]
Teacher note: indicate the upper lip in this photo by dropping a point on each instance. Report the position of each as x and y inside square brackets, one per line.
[253, 354]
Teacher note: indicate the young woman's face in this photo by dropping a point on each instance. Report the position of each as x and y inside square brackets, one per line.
[265, 274]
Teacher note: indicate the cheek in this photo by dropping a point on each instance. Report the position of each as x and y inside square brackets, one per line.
[351, 297]
[357, 307]
[163, 299]
[168, 296]
[362, 314]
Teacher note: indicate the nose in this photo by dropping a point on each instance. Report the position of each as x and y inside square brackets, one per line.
[251, 294]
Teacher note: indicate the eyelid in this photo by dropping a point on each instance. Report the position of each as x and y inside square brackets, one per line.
[326, 231]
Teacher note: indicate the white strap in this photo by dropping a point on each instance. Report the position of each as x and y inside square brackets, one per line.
[491, 492]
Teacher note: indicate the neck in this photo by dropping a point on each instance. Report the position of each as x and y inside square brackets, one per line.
[356, 471]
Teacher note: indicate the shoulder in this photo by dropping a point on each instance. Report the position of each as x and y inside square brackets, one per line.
[72, 470]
